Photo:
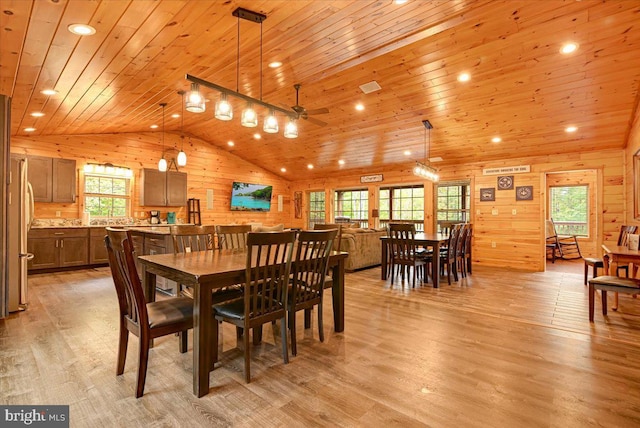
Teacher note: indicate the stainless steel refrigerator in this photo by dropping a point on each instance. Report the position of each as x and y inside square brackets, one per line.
[19, 218]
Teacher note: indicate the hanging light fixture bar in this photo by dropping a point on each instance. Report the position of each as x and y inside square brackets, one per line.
[248, 99]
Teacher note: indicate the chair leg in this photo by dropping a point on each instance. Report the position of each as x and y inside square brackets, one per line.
[307, 318]
[283, 334]
[183, 335]
[247, 357]
[604, 302]
[320, 324]
[214, 344]
[122, 347]
[592, 293]
[143, 360]
[586, 272]
[292, 329]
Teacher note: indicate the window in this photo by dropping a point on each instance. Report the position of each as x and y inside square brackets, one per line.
[453, 203]
[402, 203]
[316, 208]
[569, 209]
[106, 196]
[354, 205]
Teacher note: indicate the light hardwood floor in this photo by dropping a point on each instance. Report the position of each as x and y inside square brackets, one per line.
[500, 348]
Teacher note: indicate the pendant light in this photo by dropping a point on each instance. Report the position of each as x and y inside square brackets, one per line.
[291, 129]
[182, 156]
[271, 123]
[224, 111]
[162, 163]
[195, 100]
[249, 117]
[424, 170]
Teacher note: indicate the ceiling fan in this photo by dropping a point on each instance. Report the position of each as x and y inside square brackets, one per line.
[304, 113]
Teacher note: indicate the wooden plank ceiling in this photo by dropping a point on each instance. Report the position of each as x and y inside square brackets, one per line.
[522, 88]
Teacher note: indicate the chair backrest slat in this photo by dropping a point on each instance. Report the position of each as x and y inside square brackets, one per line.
[624, 234]
[190, 238]
[232, 237]
[311, 262]
[402, 241]
[331, 226]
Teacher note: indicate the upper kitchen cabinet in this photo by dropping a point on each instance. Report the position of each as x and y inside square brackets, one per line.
[52, 179]
[160, 189]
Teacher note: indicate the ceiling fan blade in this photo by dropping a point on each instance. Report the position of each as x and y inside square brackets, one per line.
[316, 121]
[323, 110]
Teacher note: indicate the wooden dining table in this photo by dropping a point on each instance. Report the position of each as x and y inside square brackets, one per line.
[617, 255]
[431, 240]
[206, 271]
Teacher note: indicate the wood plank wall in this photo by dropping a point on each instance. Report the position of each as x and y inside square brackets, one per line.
[207, 168]
[519, 238]
[631, 190]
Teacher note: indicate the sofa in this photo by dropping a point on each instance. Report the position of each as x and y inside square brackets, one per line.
[363, 246]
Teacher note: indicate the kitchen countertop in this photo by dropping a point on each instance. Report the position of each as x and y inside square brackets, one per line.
[156, 229]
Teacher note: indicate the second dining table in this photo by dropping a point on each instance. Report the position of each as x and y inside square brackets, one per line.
[618, 255]
[432, 240]
[206, 271]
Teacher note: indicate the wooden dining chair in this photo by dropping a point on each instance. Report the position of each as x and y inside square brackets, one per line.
[598, 263]
[232, 237]
[448, 258]
[145, 320]
[309, 274]
[191, 238]
[404, 252]
[329, 226]
[265, 291]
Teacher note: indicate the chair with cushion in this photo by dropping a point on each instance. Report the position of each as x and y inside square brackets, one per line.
[145, 320]
[598, 263]
[232, 237]
[404, 252]
[265, 291]
[564, 247]
[309, 274]
[610, 283]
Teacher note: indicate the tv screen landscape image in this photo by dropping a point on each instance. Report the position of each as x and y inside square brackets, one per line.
[250, 197]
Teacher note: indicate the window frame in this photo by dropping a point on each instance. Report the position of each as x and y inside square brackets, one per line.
[465, 199]
[311, 221]
[338, 203]
[562, 225]
[391, 189]
[112, 196]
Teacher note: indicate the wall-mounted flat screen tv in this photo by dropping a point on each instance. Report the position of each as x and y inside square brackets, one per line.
[250, 197]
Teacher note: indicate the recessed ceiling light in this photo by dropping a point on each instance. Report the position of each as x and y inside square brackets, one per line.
[310, 166]
[275, 64]
[153, 126]
[175, 115]
[37, 114]
[82, 29]
[257, 136]
[400, 1]
[49, 92]
[341, 162]
[568, 48]
[571, 129]
[496, 139]
[231, 143]
[407, 152]
[359, 107]
[29, 129]
[464, 77]
[283, 169]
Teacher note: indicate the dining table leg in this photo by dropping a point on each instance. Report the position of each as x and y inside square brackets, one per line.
[202, 319]
[435, 264]
[383, 260]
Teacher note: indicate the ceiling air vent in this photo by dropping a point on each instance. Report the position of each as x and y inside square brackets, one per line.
[372, 86]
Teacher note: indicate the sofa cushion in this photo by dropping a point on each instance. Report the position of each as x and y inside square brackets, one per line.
[276, 228]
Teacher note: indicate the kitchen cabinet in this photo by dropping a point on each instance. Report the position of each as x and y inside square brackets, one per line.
[52, 179]
[58, 248]
[160, 189]
[97, 250]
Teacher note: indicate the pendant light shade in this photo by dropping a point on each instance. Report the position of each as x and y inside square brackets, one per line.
[195, 100]
[249, 117]
[224, 111]
[271, 123]
[182, 158]
[162, 165]
[291, 129]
